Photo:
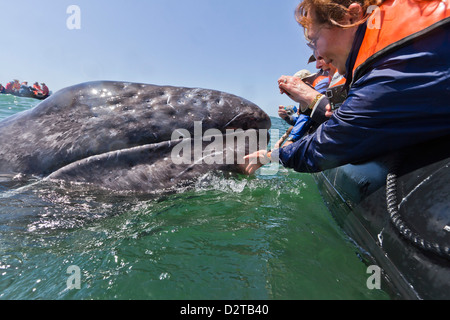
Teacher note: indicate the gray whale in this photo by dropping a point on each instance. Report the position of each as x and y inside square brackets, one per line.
[118, 135]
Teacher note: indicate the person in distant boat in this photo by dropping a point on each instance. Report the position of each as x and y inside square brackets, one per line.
[45, 91]
[25, 90]
[37, 88]
[2, 88]
[394, 59]
[16, 86]
[9, 87]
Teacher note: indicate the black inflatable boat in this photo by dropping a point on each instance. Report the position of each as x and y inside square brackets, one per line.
[31, 94]
[397, 208]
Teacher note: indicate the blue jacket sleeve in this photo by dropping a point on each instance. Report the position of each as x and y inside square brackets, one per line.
[401, 101]
[300, 127]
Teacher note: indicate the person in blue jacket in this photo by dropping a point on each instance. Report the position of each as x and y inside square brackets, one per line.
[398, 79]
[301, 121]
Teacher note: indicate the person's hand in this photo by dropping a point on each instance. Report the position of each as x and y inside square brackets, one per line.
[296, 89]
[328, 111]
[255, 161]
[282, 112]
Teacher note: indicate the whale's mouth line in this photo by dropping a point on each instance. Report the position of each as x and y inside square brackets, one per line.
[206, 137]
[182, 133]
[172, 160]
[112, 155]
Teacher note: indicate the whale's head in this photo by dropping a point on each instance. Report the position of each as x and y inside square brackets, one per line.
[122, 135]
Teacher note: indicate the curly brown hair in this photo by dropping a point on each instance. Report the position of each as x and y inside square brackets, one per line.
[330, 12]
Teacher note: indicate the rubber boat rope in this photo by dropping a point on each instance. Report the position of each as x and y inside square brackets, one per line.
[400, 225]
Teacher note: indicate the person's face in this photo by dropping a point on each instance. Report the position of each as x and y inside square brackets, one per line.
[321, 64]
[331, 43]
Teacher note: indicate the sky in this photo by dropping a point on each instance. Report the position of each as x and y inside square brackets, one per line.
[237, 46]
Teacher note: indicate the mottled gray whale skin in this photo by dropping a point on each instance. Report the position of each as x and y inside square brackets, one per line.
[118, 135]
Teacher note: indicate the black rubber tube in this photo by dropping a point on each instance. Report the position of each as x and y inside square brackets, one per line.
[400, 225]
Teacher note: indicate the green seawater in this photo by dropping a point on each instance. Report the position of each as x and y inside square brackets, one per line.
[261, 237]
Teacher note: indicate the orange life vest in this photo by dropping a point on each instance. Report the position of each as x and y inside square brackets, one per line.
[338, 79]
[318, 79]
[400, 21]
[45, 90]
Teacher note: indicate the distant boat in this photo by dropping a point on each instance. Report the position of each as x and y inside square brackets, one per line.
[30, 94]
